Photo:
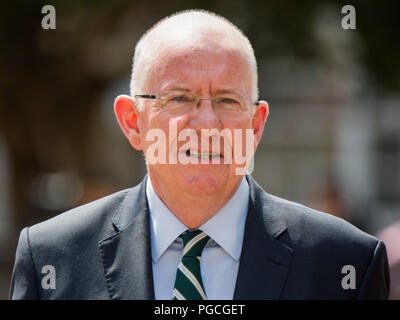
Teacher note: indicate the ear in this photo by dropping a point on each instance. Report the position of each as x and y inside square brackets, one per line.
[127, 115]
[258, 121]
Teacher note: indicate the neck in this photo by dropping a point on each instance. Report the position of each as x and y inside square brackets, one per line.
[191, 210]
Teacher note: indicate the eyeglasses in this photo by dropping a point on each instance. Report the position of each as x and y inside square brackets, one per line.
[181, 102]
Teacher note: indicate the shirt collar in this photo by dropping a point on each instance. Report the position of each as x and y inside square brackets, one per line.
[165, 227]
[226, 227]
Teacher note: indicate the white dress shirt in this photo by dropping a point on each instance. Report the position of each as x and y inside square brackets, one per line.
[220, 258]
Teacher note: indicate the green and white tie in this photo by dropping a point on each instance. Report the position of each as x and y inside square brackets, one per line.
[188, 283]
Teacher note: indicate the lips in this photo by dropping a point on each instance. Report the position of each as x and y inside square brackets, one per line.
[202, 154]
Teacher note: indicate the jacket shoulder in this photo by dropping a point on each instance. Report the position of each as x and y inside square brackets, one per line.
[308, 226]
[89, 221]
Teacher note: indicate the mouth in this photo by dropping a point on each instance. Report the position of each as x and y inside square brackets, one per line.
[202, 154]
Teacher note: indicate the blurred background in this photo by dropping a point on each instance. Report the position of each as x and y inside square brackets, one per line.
[332, 141]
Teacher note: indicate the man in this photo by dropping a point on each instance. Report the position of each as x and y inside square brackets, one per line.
[194, 228]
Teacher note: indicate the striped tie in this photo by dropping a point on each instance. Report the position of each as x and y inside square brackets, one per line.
[188, 283]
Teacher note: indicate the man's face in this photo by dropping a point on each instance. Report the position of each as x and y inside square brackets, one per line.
[206, 71]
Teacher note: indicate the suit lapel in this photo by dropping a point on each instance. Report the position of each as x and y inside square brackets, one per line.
[265, 259]
[126, 255]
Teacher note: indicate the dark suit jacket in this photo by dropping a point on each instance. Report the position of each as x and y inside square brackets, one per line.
[102, 251]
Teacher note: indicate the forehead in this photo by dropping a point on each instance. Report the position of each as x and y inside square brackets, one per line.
[196, 65]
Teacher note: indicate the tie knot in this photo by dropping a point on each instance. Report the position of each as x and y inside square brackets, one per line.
[193, 242]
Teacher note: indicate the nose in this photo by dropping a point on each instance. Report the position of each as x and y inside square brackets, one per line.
[204, 116]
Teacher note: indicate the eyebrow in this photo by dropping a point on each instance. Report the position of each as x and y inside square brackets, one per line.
[223, 91]
[185, 89]
[177, 88]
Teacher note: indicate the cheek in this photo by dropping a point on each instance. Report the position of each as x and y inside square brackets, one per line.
[164, 124]
[241, 134]
[240, 123]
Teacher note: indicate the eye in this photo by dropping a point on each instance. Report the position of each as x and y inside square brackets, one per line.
[228, 103]
[180, 98]
[227, 100]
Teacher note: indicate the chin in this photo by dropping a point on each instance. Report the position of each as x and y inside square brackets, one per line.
[203, 183]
